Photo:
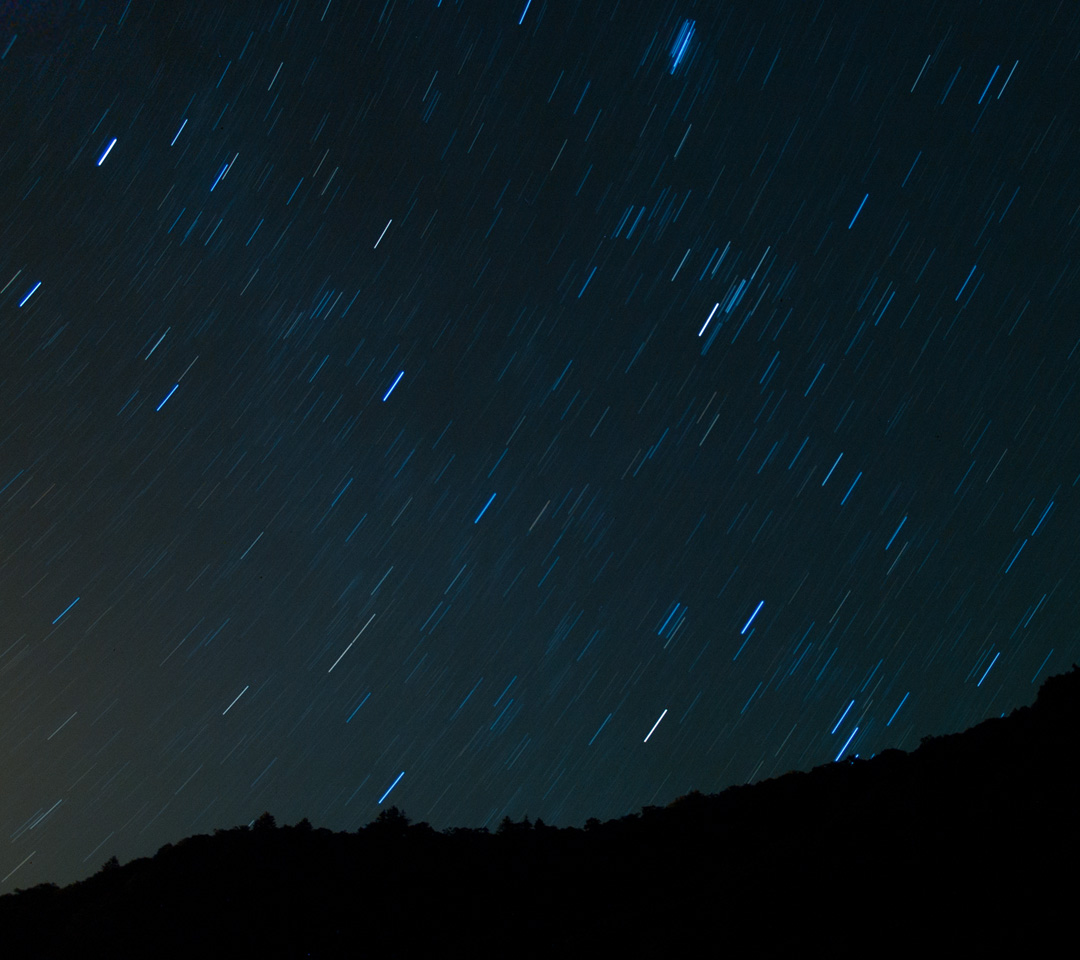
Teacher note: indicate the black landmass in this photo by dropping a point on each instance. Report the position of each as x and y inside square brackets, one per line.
[966, 846]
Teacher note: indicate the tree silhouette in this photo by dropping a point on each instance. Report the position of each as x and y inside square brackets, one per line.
[265, 822]
[507, 826]
[390, 822]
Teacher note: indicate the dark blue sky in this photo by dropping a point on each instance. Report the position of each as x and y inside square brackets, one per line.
[437, 396]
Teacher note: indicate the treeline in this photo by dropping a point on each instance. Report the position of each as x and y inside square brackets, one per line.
[968, 843]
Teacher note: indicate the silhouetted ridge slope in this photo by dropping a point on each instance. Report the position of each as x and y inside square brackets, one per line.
[969, 842]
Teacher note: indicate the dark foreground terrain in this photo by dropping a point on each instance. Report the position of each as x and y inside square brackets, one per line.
[967, 845]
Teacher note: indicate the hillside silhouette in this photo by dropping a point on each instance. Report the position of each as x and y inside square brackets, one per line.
[967, 844]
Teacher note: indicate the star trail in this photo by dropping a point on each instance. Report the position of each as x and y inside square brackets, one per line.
[713, 364]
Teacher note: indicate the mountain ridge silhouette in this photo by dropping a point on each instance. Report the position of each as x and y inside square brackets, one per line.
[968, 842]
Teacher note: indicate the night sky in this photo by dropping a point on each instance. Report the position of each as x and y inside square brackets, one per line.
[520, 408]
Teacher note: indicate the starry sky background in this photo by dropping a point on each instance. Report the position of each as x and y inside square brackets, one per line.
[437, 395]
